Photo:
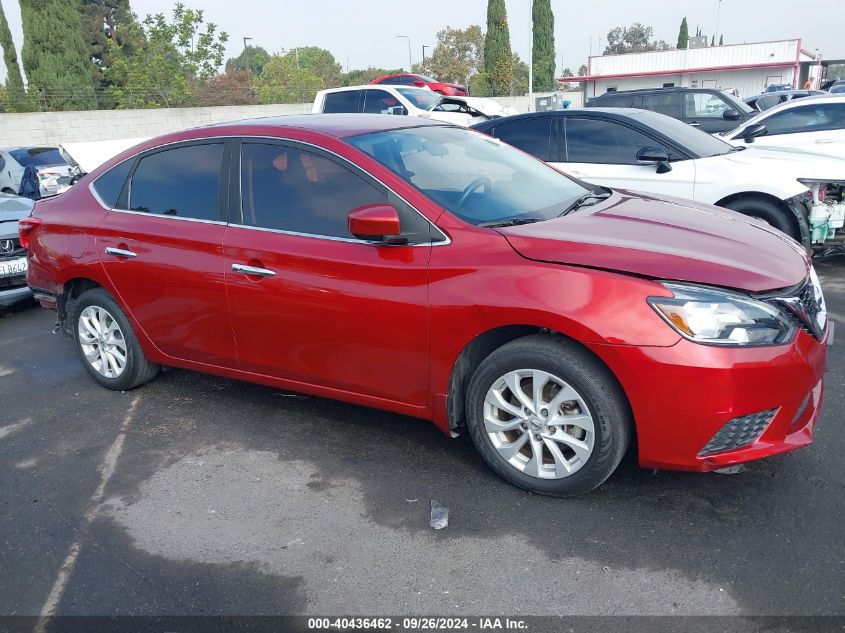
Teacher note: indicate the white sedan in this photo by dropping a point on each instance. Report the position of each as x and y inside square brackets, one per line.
[800, 194]
[813, 124]
[419, 102]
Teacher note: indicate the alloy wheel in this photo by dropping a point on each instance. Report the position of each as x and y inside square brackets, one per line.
[102, 341]
[539, 424]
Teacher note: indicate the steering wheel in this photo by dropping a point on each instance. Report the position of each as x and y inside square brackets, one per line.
[475, 184]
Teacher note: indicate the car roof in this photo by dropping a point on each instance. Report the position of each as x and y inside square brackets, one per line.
[607, 113]
[646, 90]
[336, 125]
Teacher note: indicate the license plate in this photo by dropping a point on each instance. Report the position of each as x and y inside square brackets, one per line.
[12, 267]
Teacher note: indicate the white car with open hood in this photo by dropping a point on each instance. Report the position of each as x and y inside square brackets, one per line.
[799, 193]
[812, 124]
[419, 102]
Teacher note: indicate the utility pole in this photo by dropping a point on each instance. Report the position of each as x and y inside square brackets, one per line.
[424, 46]
[248, 61]
[718, 11]
[531, 55]
[410, 60]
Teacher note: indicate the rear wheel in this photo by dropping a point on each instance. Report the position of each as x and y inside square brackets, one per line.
[106, 344]
[768, 211]
[547, 416]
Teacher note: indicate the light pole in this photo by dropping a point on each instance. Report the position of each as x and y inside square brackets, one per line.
[247, 61]
[530, 55]
[410, 61]
[718, 11]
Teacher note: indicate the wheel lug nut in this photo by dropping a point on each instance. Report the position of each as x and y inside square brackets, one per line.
[544, 412]
[552, 430]
[537, 437]
[524, 425]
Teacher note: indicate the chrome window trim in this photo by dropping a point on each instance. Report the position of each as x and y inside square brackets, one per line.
[331, 238]
[445, 242]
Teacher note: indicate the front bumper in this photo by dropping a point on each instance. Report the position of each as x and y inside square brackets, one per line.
[14, 295]
[683, 395]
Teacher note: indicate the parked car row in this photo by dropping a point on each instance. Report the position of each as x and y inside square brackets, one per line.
[13, 261]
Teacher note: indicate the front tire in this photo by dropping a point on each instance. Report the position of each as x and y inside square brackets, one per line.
[106, 343]
[547, 416]
[767, 211]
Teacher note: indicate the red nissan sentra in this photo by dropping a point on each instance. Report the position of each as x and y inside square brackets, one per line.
[435, 272]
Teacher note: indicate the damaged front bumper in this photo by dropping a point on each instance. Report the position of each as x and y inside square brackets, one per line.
[820, 212]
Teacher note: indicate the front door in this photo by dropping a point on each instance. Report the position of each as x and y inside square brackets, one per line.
[311, 303]
[163, 252]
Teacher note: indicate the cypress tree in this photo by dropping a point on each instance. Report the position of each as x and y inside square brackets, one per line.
[106, 22]
[544, 46]
[713, 41]
[55, 57]
[683, 34]
[498, 60]
[721, 40]
[14, 82]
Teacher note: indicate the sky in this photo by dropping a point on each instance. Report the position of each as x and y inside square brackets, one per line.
[362, 33]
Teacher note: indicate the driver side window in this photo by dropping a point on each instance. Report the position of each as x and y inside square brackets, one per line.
[809, 118]
[603, 142]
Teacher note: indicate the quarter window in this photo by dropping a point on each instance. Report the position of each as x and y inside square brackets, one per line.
[182, 182]
[110, 184]
[530, 135]
[288, 189]
[603, 142]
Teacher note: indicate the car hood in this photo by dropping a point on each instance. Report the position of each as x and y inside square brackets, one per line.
[12, 209]
[667, 238]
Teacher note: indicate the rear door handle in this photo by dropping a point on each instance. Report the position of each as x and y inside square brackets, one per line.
[695, 124]
[121, 252]
[252, 270]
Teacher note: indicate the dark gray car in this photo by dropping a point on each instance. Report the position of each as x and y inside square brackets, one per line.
[13, 262]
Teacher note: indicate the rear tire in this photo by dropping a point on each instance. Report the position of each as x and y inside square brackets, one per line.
[767, 211]
[106, 343]
[567, 430]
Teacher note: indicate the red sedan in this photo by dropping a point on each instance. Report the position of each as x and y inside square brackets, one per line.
[421, 81]
[435, 272]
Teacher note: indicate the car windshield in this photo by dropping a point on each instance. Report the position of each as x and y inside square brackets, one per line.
[477, 178]
[38, 156]
[420, 97]
[693, 140]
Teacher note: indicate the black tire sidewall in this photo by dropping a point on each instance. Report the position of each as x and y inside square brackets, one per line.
[128, 379]
[600, 392]
[766, 211]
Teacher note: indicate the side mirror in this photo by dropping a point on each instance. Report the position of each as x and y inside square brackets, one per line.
[376, 223]
[419, 82]
[731, 114]
[655, 156]
[400, 110]
[753, 131]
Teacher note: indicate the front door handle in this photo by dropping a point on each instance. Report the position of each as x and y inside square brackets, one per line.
[825, 140]
[695, 124]
[252, 270]
[121, 252]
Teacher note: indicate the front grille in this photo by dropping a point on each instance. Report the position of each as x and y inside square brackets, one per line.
[738, 432]
[15, 281]
[11, 249]
[805, 307]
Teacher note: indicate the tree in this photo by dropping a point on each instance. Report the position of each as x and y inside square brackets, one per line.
[633, 39]
[320, 62]
[364, 76]
[583, 70]
[457, 57]
[105, 21]
[230, 88]
[721, 40]
[174, 56]
[713, 41]
[282, 81]
[498, 61]
[683, 34]
[543, 52]
[55, 57]
[252, 58]
[520, 76]
[15, 95]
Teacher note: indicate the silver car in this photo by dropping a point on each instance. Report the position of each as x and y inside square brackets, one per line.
[13, 262]
[53, 170]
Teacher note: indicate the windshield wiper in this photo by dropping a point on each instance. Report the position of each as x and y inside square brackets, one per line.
[509, 222]
[590, 197]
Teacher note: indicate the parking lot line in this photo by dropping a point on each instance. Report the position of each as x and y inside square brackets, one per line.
[66, 570]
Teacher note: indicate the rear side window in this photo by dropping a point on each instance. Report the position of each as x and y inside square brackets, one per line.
[182, 182]
[668, 104]
[610, 100]
[344, 101]
[110, 184]
[603, 142]
[530, 135]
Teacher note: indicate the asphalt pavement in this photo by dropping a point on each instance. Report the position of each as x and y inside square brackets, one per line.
[205, 496]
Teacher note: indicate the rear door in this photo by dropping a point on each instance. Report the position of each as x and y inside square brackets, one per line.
[668, 103]
[316, 305]
[604, 152]
[162, 249]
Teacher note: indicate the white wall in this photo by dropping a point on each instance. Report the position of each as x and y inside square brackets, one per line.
[52, 128]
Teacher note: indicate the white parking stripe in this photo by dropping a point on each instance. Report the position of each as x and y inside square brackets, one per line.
[13, 428]
[65, 571]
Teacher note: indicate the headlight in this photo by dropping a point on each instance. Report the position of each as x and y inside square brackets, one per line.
[716, 317]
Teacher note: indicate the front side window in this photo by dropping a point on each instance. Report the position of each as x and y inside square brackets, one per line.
[288, 189]
[603, 142]
[704, 105]
[475, 177]
[379, 102]
[530, 135]
[810, 118]
[342, 102]
[182, 182]
[421, 98]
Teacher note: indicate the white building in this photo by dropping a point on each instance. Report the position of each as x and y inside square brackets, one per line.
[749, 68]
